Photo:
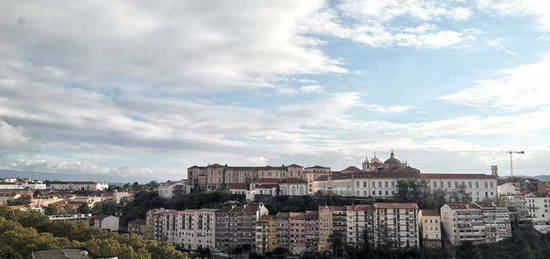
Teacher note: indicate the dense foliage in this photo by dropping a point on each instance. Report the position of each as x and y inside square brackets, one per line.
[146, 200]
[24, 232]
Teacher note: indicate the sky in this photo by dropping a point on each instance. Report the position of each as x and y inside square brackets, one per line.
[148, 89]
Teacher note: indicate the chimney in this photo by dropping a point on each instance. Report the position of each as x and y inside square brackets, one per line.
[494, 170]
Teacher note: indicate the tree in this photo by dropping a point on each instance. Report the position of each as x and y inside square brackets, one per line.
[337, 243]
[460, 195]
[84, 208]
[54, 210]
[412, 190]
[105, 208]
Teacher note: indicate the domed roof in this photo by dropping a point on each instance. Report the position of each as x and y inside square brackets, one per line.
[375, 160]
[392, 161]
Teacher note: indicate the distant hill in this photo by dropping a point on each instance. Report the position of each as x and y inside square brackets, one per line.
[544, 178]
[111, 179]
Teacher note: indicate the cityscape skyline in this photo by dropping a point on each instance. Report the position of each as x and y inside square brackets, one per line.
[145, 90]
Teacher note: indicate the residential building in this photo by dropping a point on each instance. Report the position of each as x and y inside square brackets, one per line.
[475, 223]
[20, 186]
[429, 222]
[169, 189]
[77, 186]
[86, 219]
[312, 230]
[266, 234]
[543, 187]
[7, 197]
[111, 223]
[332, 223]
[297, 232]
[360, 224]
[395, 225]
[236, 225]
[137, 226]
[538, 206]
[508, 188]
[237, 188]
[282, 221]
[515, 203]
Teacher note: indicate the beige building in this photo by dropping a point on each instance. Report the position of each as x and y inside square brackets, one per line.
[312, 173]
[332, 222]
[396, 224]
[266, 234]
[474, 222]
[297, 232]
[429, 222]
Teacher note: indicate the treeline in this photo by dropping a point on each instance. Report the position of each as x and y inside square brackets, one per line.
[21, 233]
[146, 200]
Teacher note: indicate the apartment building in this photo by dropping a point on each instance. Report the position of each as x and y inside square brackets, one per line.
[297, 232]
[312, 230]
[191, 229]
[332, 222]
[518, 202]
[77, 186]
[474, 222]
[282, 221]
[360, 223]
[236, 225]
[538, 206]
[395, 225]
[169, 189]
[266, 234]
[429, 222]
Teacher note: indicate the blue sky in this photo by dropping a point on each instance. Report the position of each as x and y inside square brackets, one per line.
[142, 89]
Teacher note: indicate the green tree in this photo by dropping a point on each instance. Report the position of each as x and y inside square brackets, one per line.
[413, 190]
[84, 208]
[460, 195]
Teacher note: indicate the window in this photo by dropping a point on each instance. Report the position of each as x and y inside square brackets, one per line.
[435, 184]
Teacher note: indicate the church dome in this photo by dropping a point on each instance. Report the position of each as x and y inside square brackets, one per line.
[392, 161]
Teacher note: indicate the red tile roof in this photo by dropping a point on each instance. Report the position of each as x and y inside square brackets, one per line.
[457, 176]
[240, 186]
[463, 206]
[430, 212]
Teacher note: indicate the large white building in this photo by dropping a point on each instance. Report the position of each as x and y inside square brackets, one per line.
[538, 207]
[475, 222]
[169, 189]
[508, 188]
[20, 186]
[380, 181]
[77, 186]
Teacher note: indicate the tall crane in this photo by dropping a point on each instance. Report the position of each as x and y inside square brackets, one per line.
[510, 153]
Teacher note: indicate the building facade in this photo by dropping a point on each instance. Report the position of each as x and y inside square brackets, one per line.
[168, 190]
[77, 186]
[429, 223]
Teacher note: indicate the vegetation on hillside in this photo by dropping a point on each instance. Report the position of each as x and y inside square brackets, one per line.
[24, 232]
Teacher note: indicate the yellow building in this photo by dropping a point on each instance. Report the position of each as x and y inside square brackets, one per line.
[429, 223]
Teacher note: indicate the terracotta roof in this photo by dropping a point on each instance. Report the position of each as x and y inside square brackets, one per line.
[292, 180]
[267, 180]
[318, 167]
[267, 217]
[395, 205]
[283, 215]
[352, 169]
[294, 165]
[267, 185]
[359, 207]
[312, 213]
[457, 176]
[430, 212]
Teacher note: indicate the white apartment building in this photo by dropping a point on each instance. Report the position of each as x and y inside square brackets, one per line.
[167, 190]
[192, 229]
[474, 222]
[396, 224]
[20, 186]
[429, 222]
[360, 224]
[538, 206]
[518, 202]
[77, 186]
[508, 189]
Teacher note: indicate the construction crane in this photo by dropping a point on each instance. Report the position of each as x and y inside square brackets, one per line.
[510, 153]
[512, 160]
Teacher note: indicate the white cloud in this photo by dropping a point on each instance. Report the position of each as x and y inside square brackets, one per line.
[539, 10]
[388, 109]
[512, 89]
[379, 23]
[306, 89]
[11, 136]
